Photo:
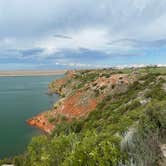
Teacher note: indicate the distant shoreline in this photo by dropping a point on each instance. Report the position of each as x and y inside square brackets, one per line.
[31, 73]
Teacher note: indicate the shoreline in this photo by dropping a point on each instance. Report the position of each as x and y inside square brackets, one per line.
[75, 102]
[31, 73]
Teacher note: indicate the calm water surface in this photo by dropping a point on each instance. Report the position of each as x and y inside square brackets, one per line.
[20, 99]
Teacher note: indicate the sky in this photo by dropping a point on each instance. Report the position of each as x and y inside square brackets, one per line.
[57, 34]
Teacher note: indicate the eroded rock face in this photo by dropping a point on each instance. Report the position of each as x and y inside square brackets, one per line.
[40, 121]
[163, 151]
[81, 92]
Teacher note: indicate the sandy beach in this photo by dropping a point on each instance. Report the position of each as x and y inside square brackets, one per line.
[31, 73]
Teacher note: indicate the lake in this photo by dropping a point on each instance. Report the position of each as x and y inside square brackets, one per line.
[20, 99]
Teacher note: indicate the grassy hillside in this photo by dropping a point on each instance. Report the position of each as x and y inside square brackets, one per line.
[126, 128]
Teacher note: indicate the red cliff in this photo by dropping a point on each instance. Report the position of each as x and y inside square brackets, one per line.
[81, 92]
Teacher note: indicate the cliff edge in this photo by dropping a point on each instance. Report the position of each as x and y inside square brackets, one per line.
[80, 93]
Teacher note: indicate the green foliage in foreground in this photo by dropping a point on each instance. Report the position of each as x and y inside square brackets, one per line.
[96, 140]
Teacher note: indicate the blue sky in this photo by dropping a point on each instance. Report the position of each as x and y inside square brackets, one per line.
[56, 34]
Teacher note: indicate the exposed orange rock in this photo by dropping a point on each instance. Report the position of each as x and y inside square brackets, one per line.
[79, 102]
[72, 107]
[41, 122]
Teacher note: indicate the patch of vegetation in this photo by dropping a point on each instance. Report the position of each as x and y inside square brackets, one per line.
[86, 77]
[51, 119]
[151, 131]
[96, 140]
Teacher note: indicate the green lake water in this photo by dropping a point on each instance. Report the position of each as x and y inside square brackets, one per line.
[20, 99]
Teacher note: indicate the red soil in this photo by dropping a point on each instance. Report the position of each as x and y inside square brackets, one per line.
[70, 109]
[41, 122]
[79, 104]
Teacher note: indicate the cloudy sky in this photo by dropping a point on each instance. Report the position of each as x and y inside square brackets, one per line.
[53, 34]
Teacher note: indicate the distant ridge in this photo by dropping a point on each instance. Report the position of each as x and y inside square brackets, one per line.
[31, 73]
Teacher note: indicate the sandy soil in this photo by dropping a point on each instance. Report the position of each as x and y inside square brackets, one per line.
[31, 72]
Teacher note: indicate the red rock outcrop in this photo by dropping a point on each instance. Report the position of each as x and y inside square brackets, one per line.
[41, 122]
[79, 102]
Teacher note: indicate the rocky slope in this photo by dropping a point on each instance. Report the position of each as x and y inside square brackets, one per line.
[81, 91]
[104, 117]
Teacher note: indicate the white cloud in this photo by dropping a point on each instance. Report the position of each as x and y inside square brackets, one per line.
[156, 29]
[89, 38]
[90, 24]
[82, 65]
